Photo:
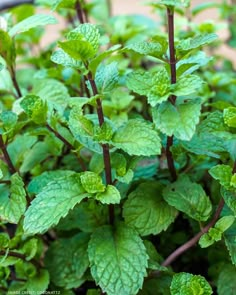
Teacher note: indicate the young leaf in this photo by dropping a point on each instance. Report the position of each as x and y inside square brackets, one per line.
[137, 137]
[56, 4]
[176, 3]
[215, 233]
[39, 283]
[62, 58]
[146, 48]
[186, 283]
[223, 173]
[230, 199]
[92, 182]
[67, 260]
[114, 254]
[13, 207]
[179, 120]
[110, 196]
[146, 211]
[188, 197]
[32, 22]
[226, 283]
[186, 85]
[53, 203]
[35, 108]
[230, 116]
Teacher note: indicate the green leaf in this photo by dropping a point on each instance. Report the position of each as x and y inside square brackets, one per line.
[179, 120]
[53, 203]
[32, 22]
[39, 283]
[53, 92]
[107, 77]
[104, 133]
[139, 81]
[186, 85]
[67, 260]
[13, 207]
[110, 196]
[86, 216]
[9, 120]
[226, 283]
[146, 211]
[7, 49]
[114, 254]
[177, 3]
[35, 108]
[230, 117]
[57, 4]
[186, 284]
[137, 137]
[188, 197]
[146, 48]
[4, 240]
[62, 58]
[161, 87]
[215, 233]
[39, 182]
[230, 199]
[92, 182]
[223, 173]
[195, 42]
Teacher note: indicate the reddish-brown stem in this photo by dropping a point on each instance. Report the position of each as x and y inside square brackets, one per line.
[79, 12]
[14, 81]
[196, 238]
[68, 144]
[6, 156]
[172, 98]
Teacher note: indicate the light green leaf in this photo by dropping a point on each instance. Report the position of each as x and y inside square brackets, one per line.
[67, 260]
[62, 58]
[39, 283]
[107, 77]
[4, 240]
[110, 196]
[215, 233]
[195, 42]
[147, 211]
[140, 82]
[9, 120]
[230, 116]
[39, 182]
[56, 4]
[161, 87]
[115, 254]
[185, 284]
[179, 120]
[137, 137]
[92, 182]
[7, 50]
[104, 133]
[13, 206]
[186, 85]
[32, 22]
[146, 48]
[188, 197]
[223, 173]
[35, 108]
[53, 203]
[226, 283]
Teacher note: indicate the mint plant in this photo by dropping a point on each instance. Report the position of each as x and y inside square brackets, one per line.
[117, 152]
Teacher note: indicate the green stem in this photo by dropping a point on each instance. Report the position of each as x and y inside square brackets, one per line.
[14, 81]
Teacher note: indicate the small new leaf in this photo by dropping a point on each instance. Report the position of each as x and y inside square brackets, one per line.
[114, 254]
[222, 173]
[92, 182]
[110, 196]
[186, 283]
[107, 77]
